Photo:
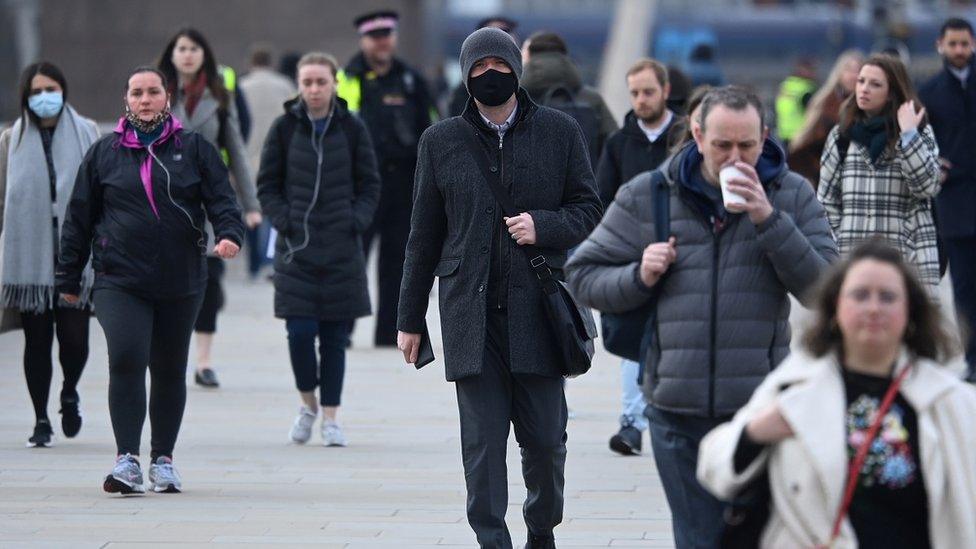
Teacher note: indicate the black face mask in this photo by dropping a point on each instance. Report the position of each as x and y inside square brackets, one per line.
[493, 88]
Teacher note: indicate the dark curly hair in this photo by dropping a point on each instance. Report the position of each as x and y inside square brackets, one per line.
[926, 335]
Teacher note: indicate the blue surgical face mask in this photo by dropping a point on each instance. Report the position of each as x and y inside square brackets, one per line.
[46, 104]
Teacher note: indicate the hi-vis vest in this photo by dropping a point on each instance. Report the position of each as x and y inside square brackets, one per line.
[350, 89]
[790, 110]
[230, 84]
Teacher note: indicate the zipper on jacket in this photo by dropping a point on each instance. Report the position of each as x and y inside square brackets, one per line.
[714, 328]
[502, 232]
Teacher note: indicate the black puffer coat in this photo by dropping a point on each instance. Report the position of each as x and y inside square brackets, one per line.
[320, 270]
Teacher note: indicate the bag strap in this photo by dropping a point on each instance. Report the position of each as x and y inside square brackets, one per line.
[537, 261]
[662, 206]
[843, 143]
[854, 473]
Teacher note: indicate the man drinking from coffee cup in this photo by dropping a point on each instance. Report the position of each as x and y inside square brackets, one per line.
[721, 276]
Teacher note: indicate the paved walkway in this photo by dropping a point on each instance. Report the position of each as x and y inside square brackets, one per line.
[398, 484]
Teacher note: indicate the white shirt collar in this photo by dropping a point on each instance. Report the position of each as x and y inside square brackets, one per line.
[503, 127]
[654, 133]
[962, 74]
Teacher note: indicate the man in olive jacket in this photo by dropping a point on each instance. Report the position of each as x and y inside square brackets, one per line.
[498, 345]
[723, 277]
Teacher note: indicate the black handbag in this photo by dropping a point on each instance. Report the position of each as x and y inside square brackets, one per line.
[572, 324]
[629, 334]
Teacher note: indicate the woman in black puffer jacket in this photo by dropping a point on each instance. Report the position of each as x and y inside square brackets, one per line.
[319, 185]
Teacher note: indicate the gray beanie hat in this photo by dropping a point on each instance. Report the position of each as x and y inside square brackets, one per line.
[489, 42]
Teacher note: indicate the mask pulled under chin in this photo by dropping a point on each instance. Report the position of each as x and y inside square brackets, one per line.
[146, 126]
[492, 87]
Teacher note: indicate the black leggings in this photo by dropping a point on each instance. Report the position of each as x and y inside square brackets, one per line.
[140, 332]
[71, 327]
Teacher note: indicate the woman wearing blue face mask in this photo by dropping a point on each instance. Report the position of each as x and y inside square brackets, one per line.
[39, 159]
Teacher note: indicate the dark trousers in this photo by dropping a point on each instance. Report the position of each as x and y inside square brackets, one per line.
[71, 327]
[328, 370]
[142, 332]
[962, 268]
[213, 297]
[392, 225]
[488, 403]
[696, 515]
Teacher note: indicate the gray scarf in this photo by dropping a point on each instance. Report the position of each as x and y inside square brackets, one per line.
[27, 246]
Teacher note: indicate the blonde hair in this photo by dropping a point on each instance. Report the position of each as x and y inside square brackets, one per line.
[319, 58]
[816, 106]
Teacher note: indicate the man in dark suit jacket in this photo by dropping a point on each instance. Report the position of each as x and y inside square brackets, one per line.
[499, 348]
[950, 99]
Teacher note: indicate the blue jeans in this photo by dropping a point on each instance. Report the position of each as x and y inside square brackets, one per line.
[310, 372]
[696, 515]
[633, 398]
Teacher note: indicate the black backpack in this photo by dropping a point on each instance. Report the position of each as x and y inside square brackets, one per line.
[562, 99]
[628, 335]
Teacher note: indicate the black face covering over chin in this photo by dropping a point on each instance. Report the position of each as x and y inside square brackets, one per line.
[493, 88]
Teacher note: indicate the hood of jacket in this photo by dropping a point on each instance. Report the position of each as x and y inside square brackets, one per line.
[545, 71]
[684, 163]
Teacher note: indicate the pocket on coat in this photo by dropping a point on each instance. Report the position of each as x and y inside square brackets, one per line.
[447, 266]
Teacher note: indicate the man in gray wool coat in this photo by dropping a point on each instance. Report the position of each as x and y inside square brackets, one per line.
[498, 345]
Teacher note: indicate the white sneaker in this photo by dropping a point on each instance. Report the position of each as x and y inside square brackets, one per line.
[301, 430]
[332, 434]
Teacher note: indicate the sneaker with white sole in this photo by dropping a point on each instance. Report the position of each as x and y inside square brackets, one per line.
[126, 477]
[301, 430]
[163, 477]
[332, 434]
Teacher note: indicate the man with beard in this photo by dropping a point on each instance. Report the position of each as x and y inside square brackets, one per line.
[640, 146]
[499, 346]
[950, 100]
[394, 102]
[643, 143]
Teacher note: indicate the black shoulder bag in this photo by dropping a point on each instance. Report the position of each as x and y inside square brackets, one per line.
[629, 334]
[572, 325]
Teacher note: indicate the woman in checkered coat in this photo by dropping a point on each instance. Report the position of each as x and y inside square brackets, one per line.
[880, 168]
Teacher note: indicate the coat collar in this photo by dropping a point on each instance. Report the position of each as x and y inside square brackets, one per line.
[206, 108]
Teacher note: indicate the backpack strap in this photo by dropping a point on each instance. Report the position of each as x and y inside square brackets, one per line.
[285, 130]
[661, 198]
[843, 143]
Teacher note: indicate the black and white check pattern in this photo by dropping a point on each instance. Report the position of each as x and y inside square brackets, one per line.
[891, 198]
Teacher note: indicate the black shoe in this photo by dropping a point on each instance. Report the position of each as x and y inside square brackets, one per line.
[540, 542]
[42, 435]
[627, 441]
[70, 416]
[206, 378]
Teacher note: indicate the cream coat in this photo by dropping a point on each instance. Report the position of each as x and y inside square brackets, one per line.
[808, 471]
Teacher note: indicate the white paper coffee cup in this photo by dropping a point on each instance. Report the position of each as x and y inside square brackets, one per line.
[727, 173]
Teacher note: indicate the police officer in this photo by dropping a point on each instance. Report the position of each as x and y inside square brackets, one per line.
[394, 102]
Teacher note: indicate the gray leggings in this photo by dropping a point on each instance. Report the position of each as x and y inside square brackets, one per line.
[141, 333]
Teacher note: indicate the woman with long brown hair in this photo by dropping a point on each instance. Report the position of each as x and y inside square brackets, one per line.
[880, 168]
[822, 115]
[202, 102]
[866, 439]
